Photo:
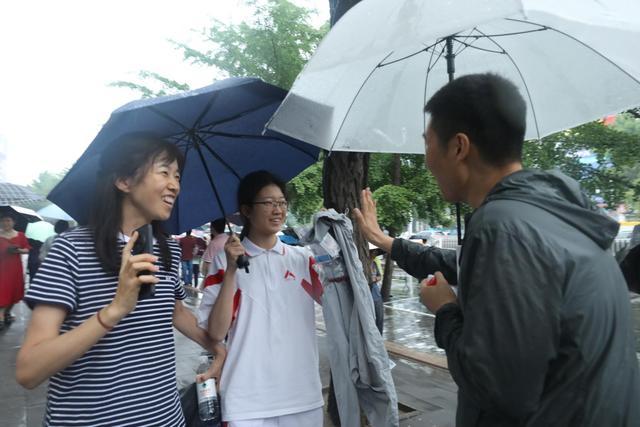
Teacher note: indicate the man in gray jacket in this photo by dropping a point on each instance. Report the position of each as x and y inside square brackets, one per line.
[541, 332]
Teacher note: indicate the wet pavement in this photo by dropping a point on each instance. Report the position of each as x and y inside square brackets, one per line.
[406, 321]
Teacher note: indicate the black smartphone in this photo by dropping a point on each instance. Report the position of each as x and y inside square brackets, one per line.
[144, 245]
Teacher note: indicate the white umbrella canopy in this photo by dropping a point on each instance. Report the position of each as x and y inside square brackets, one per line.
[40, 231]
[366, 86]
[54, 212]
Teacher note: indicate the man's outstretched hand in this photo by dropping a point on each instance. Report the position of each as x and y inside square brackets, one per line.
[367, 220]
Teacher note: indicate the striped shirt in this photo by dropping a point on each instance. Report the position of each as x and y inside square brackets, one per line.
[128, 378]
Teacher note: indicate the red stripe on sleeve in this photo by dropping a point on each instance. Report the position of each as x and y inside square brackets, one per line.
[214, 279]
[236, 304]
[314, 289]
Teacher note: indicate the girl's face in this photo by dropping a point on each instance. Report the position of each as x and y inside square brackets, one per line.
[152, 197]
[268, 212]
[7, 224]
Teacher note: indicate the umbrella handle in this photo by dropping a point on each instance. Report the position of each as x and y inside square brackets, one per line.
[243, 262]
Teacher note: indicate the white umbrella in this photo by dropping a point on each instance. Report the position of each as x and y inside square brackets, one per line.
[22, 216]
[40, 230]
[54, 212]
[365, 87]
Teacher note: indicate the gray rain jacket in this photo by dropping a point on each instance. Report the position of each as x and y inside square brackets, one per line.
[357, 355]
[542, 333]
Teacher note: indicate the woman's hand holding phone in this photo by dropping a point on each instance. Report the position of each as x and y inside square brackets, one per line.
[129, 281]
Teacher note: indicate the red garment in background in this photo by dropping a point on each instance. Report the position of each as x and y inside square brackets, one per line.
[188, 244]
[11, 273]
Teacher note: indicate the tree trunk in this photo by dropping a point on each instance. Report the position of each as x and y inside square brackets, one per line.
[344, 176]
[388, 262]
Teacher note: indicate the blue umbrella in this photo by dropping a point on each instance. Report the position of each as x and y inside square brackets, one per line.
[219, 128]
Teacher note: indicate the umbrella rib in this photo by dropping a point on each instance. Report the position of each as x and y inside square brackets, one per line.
[168, 117]
[344, 119]
[206, 168]
[206, 109]
[524, 82]
[214, 154]
[265, 137]
[583, 44]
[467, 45]
[426, 49]
[463, 43]
[179, 139]
[431, 65]
[514, 33]
[239, 115]
[426, 82]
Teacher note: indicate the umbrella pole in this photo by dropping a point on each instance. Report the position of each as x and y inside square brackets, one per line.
[451, 70]
[243, 261]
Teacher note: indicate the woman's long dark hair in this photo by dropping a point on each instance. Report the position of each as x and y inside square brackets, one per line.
[249, 188]
[128, 157]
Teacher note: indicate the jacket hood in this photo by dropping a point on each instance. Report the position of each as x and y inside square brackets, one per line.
[561, 196]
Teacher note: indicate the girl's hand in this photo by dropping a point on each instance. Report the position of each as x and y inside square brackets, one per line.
[233, 249]
[128, 280]
[215, 369]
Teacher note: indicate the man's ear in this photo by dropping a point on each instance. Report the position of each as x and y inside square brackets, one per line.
[123, 185]
[461, 145]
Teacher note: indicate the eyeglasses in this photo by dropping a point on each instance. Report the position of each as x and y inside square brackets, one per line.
[282, 204]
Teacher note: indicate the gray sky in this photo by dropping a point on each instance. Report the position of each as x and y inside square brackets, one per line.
[58, 58]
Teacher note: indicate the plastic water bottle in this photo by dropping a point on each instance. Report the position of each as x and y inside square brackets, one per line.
[207, 395]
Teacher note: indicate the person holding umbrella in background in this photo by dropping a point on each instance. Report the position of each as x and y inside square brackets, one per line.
[108, 355]
[12, 245]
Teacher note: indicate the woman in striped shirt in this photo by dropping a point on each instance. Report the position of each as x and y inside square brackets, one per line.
[110, 358]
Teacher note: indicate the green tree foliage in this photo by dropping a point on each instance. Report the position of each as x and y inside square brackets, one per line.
[395, 206]
[305, 192]
[617, 153]
[43, 184]
[426, 199]
[166, 85]
[274, 46]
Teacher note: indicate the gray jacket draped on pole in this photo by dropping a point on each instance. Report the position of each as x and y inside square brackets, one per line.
[357, 356]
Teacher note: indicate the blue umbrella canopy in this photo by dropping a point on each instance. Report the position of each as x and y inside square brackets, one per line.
[219, 128]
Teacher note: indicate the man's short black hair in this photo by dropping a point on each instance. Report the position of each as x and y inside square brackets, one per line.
[488, 109]
[218, 225]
